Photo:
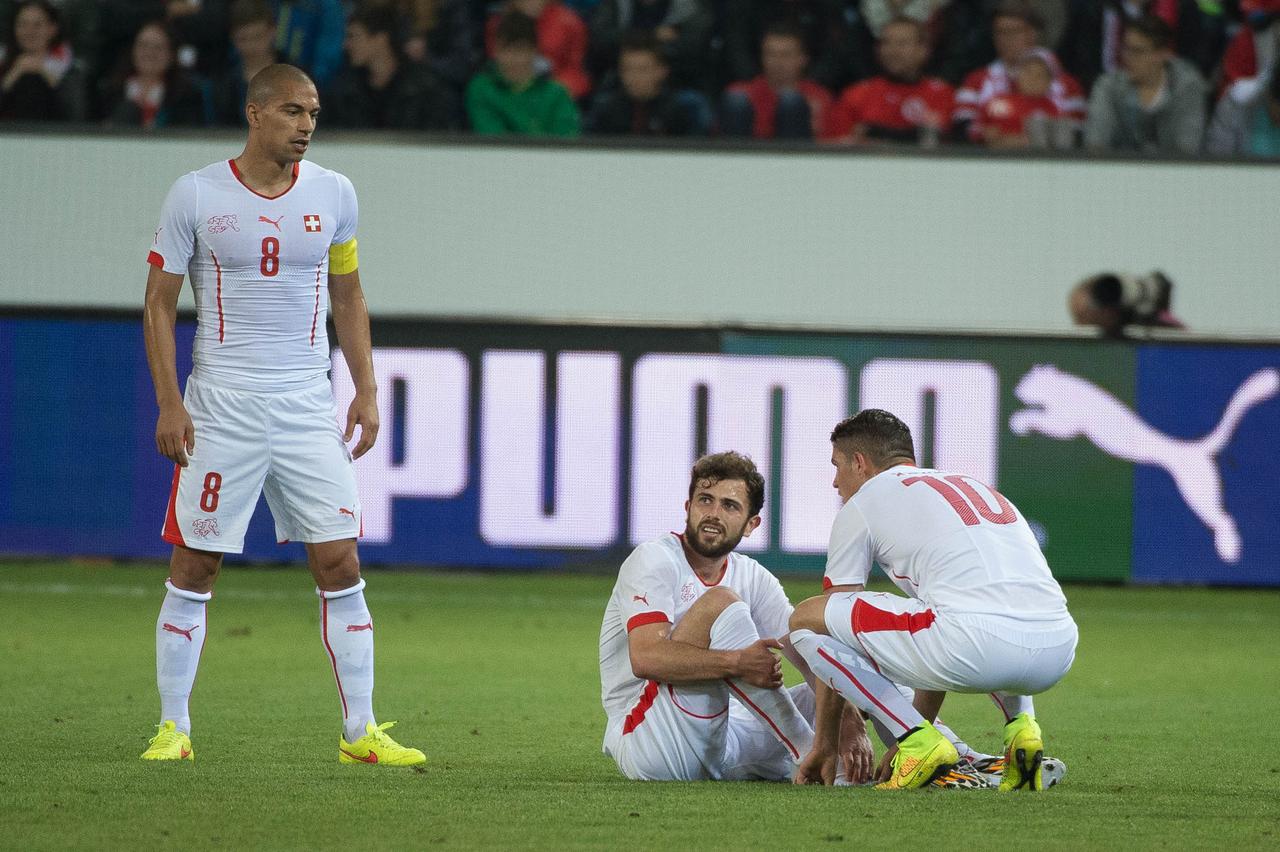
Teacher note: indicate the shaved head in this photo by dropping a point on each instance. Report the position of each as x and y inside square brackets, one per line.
[269, 82]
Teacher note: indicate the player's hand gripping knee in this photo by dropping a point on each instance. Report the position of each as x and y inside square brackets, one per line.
[175, 433]
[363, 413]
[758, 666]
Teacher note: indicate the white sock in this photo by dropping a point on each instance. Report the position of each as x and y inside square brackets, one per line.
[856, 680]
[1012, 705]
[963, 749]
[180, 633]
[734, 629]
[347, 630]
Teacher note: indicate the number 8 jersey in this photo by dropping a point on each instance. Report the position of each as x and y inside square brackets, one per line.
[946, 539]
[259, 267]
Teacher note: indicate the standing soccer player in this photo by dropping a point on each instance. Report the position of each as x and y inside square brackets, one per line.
[984, 613]
[269, 243]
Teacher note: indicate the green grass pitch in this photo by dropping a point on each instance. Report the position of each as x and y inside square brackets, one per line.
[1166, 723]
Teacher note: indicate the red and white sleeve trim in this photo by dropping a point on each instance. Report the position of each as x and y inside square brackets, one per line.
[647, 618]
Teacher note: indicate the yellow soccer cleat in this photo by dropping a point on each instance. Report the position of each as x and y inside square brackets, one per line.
[1023, 755]
[922, 756]
[376, 747]
[169, 744]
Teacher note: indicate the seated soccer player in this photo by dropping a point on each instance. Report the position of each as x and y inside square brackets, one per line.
[511, 95]
[643, 105]
[902, 105]
[688, 675]
[782, 102]
[982, 611]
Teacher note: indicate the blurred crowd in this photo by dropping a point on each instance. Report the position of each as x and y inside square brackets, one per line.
[1153, 76]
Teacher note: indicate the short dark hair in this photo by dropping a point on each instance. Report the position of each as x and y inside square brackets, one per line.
[516, 28]
[787, 28]
[264, 85]
[1023, 11]
[245, 12]
[717, 467]
[1154, 30]
[875, 433]
[639, 41]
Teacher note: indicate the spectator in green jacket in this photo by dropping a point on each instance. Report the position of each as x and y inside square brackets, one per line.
[512, 96]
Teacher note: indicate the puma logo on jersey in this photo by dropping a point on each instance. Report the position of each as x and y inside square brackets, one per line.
[644, 598]
[275, 221]
[356, 628]
[1063, 406]
[342, 511]
[222, 222]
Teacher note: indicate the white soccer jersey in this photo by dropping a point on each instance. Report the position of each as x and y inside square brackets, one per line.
[259, 268]
[947, 539]
[656, 584]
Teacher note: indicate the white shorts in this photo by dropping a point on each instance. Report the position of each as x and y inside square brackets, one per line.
[913, 645]
[695, 732]
[286, 444]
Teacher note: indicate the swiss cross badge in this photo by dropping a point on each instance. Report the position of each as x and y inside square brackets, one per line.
[311, 223]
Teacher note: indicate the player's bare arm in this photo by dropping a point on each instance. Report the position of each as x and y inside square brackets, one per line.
[657, 656]
[175, 433]
[351, 322]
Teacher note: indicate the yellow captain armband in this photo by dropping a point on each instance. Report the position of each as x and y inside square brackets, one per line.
[342, 258]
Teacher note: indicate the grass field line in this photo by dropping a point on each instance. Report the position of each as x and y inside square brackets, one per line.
[304, 593]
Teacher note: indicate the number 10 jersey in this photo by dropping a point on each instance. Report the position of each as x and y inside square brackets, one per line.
[259, 268]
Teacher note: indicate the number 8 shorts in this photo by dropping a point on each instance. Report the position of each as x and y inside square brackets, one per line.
[286, 444]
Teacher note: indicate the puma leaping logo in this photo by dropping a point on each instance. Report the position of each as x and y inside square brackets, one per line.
[1064, 406]
[275, 221]
[169, 628]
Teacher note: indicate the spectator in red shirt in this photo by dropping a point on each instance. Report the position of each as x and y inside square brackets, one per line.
[1255, 46]
[780, 103]
[902, 105]
[1028, 116]
[562, 41]
[1016, 29]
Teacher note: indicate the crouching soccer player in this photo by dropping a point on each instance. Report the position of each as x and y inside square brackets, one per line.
[984, 613]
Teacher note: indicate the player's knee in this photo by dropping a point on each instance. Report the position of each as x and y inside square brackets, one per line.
[336, 569]
[810, 615]
[194, 570]
[716, 601]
